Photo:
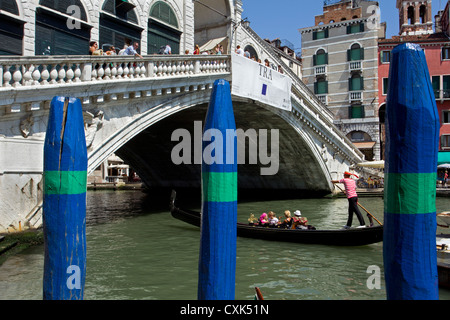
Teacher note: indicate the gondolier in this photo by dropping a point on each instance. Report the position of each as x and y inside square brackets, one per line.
[352, 197]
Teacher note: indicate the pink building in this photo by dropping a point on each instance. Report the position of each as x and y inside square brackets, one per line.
[415, 28]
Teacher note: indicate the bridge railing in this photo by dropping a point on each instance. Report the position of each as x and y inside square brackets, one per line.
[51, 70]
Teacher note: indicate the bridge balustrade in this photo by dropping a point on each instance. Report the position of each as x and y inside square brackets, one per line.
[51, 70]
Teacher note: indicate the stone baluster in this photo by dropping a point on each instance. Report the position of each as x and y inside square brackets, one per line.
[62, 73]
[77, 73]
[36, 75]
[100, 72]
[70, 73]
[7, 76]
[53, 74]
[17, 76]
[45, 75]
[26, 71]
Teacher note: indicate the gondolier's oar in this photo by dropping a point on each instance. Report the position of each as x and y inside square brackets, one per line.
[362, 207]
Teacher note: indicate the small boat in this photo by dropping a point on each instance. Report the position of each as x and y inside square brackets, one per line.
[444, 219]
[342, 237]
[443, 260]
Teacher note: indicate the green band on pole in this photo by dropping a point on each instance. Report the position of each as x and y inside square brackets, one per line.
[212, 179]
[417, 192]
[65, 182]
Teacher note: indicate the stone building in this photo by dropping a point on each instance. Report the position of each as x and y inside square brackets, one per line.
[340, 59]
[65, 27]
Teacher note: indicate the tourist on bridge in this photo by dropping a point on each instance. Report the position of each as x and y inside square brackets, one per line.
[352, 197]
[131, 50]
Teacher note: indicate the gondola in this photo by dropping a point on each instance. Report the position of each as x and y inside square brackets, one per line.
[344, 237]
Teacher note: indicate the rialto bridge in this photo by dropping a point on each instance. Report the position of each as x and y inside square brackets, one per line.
[133, 105]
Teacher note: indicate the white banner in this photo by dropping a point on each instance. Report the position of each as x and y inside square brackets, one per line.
[253, 80]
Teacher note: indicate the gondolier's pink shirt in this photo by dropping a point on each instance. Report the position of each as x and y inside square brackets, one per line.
[350, 187]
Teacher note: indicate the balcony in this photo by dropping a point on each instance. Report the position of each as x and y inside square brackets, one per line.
[355, 66]
[320, 70]
[355, 96]
[323, 98]
[442, 94]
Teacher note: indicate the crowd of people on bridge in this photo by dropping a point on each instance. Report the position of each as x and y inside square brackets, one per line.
[131, 49]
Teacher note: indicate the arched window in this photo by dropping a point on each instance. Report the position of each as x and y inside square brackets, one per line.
[320, 58]
[11, 29]
[355, 53]
[411, 18]
[53, 34]
[423, 14]
[163, 29]
[9, 6]
[119, 24]
[252, 52]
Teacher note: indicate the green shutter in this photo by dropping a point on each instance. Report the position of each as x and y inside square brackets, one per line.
[349, 55]
[314, 60]
[356, 111]
[326, 33]
[362, 54]
[361, 27]
[314, 35]
[349, 29]
[315, 88]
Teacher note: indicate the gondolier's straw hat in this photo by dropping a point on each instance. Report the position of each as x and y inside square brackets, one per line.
[297, 213]
[346, 173]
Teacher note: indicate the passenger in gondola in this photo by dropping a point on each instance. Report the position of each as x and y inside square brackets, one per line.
[287, 222]
[263, 220]
[299, 222]
[273, 220]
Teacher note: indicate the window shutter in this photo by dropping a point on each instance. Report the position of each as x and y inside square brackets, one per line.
[326, 87]
[314, 60]
[326, 58]
[349, 29]
[326, 33]
[362, 83]
[361, 27]
[349, 53]
[350, 87]
[315, 88]
[314, 35]
[362, 54]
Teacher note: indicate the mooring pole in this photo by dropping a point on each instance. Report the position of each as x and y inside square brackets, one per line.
[412, 135]
[64, 208]
[217, 263]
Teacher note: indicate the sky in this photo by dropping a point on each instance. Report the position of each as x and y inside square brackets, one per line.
[282, 18]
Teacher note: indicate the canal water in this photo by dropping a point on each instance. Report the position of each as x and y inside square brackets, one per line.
[137, 250]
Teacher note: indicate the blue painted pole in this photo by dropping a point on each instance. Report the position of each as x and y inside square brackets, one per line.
[412, 135]
[217, 263]
[64, 209]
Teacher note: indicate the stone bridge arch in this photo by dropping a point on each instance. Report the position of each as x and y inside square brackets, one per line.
[144, 141]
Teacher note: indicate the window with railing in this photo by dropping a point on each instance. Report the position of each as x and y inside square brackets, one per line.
[321, 86]
[355, 53]
[356, 83]
[320, 58]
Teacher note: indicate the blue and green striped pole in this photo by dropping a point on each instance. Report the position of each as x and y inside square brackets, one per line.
[217, 263]
[64, 208]
[412, 135]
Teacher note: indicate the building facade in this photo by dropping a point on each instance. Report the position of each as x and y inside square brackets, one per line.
[65, 27]
[340, 65]
[436, 46]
